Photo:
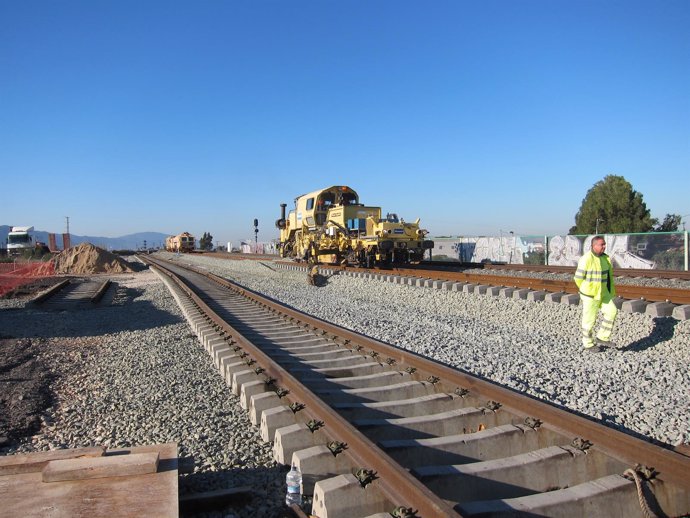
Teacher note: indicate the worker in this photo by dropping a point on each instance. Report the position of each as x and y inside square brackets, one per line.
[314, 278]
[594, 280]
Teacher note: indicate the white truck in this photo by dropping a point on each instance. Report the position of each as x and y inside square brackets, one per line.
[19, 239]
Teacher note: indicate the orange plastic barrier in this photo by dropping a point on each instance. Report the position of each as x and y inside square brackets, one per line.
[13, 275]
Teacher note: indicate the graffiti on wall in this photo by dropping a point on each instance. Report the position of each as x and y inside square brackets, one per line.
[563, 250]
[618, 249]
[250, 247]
[502, 249]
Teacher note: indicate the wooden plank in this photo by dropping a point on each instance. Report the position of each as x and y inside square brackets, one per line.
[30, 462]
[153, 495]
[101, 467]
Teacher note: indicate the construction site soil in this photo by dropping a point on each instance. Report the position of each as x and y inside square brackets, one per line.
[30, 366]
[88, 259]
[25, 388]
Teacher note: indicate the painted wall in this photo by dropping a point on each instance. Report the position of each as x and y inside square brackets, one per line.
[625, 250]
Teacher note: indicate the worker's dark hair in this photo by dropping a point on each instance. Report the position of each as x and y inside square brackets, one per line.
[597, 238]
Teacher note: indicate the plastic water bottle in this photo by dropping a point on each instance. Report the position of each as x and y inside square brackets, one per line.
[294, 485]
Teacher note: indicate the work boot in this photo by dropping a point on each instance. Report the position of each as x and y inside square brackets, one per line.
[604, 343]
[594, 349]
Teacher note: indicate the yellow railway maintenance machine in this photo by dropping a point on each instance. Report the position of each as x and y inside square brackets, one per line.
[183, 242]
[330, 225]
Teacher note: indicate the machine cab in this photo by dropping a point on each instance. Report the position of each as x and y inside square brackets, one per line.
[312, 209]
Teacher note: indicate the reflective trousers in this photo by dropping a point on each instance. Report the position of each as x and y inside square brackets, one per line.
[590, 310]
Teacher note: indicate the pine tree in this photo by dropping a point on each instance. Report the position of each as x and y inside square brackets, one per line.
[206, 241]
[612, 206]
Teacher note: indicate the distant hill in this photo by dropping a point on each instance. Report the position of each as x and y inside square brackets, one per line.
[128, 242]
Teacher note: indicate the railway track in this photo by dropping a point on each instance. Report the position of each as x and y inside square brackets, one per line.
[376, 429]
[676, 296]
[74, 292]
[569, 270]
[456, 272]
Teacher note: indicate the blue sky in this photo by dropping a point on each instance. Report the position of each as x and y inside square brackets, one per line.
[477, 117]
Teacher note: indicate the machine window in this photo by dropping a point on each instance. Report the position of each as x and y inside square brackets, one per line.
[357, 225]
[310, 203]
[327, 199]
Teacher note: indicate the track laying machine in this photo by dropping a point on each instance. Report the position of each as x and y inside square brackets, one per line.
[330, 225]
[183, 242]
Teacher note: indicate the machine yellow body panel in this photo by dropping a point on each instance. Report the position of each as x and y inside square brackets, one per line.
[331, 225]
[183, 242]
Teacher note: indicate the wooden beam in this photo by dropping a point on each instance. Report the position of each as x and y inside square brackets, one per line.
[30, 462]
[101, 467]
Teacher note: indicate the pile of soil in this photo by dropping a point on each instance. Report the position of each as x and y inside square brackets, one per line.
[87, 258]
[25, 393]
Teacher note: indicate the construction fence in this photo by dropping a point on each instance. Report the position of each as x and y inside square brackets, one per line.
[651, 250]
[21, 272]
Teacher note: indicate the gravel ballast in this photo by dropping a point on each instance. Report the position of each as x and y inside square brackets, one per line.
[641, 386]
[131, 372]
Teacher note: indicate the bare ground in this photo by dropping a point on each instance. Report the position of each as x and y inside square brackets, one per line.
[24, 389]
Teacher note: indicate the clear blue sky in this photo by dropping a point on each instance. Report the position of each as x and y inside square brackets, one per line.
[476, 117]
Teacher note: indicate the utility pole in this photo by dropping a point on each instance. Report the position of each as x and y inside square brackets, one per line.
[596, 226]
[66, 241]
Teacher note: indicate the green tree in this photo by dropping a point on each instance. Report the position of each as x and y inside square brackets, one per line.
[670, 224]
[206, 241]
[614, 207]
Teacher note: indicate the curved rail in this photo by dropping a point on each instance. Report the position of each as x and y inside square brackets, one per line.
[398, 485]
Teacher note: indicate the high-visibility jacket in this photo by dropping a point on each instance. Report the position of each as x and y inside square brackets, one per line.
[594, 276]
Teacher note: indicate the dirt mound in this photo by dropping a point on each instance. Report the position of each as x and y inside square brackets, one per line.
[86, 258]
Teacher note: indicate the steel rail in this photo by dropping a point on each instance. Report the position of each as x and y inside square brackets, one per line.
[652, 294]
[619, 272]
[396, 484]
[673, 466]
[101, 291]
[45, 295]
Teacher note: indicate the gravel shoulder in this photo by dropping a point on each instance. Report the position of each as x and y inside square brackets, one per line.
[640, 387]
[132, 373]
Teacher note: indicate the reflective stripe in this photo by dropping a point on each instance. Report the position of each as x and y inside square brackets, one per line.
[593, 276]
